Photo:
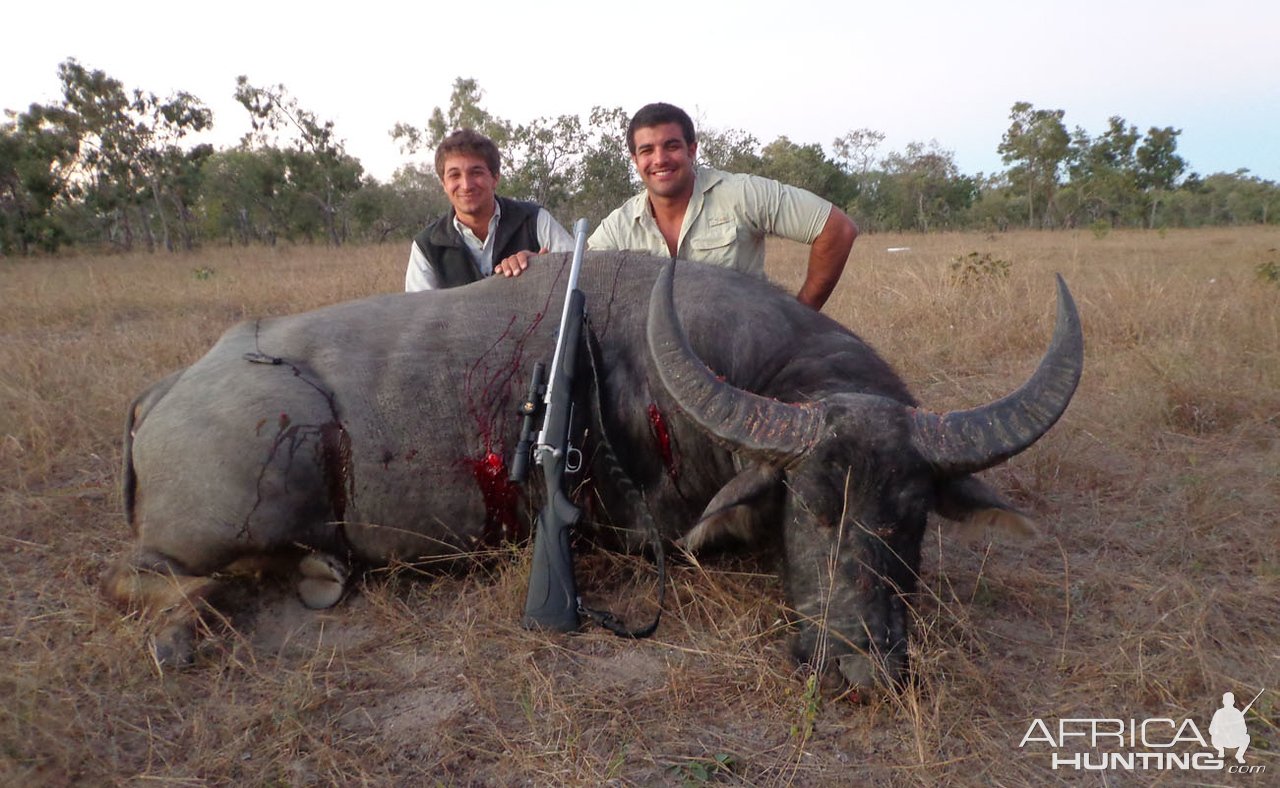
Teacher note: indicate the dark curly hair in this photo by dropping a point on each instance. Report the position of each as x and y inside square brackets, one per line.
[471, 143]
[657, 114]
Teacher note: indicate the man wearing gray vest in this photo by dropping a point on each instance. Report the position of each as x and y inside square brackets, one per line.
[482, 233]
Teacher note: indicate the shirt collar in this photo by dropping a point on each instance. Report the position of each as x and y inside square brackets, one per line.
[704, 178]
[465, 231]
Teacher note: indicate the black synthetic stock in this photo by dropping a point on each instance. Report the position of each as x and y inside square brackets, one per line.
[552, 600]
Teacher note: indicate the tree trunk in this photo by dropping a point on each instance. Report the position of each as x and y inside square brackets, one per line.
[150, 232]
[164, 222]
[127, 228]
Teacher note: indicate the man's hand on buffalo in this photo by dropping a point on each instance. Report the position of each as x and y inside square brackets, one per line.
[516, 263]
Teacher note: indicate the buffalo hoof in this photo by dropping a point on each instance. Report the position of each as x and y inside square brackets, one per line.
[324, 579]
[862, 672]
[858, 671]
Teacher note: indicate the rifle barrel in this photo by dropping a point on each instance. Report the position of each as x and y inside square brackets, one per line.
[1255, 700]
[579, 250]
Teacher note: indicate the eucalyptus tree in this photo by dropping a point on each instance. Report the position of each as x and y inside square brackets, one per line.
[924, 190]
[1102, 174]
[129, 161]
[805, 166]
[1159, 166]
[318, 170]
[565, 163]
[855, 150]
[1036, 144]
[245, 196]
[464, 111]
[732, 150]
[37, 149]
[605, 178]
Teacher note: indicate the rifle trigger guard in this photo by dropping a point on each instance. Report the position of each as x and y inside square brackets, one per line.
[573, 460]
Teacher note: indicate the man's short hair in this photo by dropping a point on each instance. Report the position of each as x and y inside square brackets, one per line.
[657, 114]
[469, 142]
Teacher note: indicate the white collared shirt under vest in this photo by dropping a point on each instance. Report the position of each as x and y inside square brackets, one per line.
[420, 276]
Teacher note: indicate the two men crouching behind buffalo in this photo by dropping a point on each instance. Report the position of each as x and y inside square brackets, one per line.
[687, 211]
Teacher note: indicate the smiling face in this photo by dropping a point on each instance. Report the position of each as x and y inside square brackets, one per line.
[470, 185]
[664, 161]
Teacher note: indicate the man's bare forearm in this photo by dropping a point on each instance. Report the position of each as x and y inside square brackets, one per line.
[827, 256]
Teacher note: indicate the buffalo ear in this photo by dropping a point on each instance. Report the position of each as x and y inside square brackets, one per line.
[730, 514]
[979, 510]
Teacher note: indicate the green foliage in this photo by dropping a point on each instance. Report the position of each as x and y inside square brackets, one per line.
[111, 166]
[919, 189]
[603, 176]
[1102, 187]
[543, 157]
[318, 176]
[806, 166]
[203, 273]
[104, 163]
[975, 268]
[1223, 199]
[1037, 144]
[36, 151]
[570, 165]
[732, 150]
[811, 704]
[1159, 166]
[702, 771]
[464, 112]
[382, 211]
[855, 150]
[243, 195]
[1268, 271]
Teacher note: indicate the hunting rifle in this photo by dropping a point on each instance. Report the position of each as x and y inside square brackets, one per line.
[552, 601]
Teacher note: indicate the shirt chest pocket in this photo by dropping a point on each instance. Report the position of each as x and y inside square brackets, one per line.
[716, 244]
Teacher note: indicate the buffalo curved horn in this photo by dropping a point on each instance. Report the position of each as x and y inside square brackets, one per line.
[966, 441]
[746, 421]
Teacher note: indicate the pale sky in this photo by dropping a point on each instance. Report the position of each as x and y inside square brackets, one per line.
[808, 69]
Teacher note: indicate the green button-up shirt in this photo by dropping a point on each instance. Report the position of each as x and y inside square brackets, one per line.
[726, 222]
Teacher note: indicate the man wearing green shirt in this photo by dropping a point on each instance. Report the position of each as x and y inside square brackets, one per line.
[698, 213]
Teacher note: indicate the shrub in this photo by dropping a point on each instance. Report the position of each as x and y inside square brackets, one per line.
[974, 267]
[1269, 271]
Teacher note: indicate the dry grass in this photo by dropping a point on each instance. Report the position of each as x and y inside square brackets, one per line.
[1154, 588]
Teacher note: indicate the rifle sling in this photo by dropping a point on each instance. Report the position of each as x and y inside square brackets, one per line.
[604, 618]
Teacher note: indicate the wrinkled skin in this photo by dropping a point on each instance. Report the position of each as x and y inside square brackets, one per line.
[384, 433]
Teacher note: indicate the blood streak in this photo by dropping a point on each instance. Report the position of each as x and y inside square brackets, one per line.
[662, 437]
[335, 454]
[501, 499]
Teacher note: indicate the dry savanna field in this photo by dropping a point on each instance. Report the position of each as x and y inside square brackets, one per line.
[1152, 588]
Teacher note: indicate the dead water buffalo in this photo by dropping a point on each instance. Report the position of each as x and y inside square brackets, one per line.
[380, 430]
